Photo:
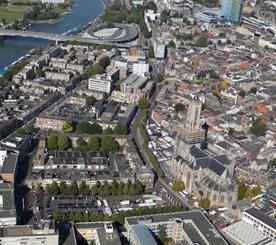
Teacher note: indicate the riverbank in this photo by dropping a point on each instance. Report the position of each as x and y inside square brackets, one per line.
[83, 12]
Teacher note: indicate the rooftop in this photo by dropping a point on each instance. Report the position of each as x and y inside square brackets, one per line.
[203, 224]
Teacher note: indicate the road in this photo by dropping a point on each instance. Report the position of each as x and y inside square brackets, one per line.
[62, 38]
[139, 143]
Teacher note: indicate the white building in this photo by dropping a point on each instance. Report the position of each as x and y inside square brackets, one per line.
[54, 2]
[159, 49]
[141, 67]
[100, 83]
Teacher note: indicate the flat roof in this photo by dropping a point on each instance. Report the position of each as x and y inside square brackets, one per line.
[104, 237]
[203, 224]
[143, 235]
[10, 164]
[262, 217]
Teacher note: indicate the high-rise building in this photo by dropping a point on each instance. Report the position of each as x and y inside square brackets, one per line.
[226, 6]
[236, 11]
[232, 10]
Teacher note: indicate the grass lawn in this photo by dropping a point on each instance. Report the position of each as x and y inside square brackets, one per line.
[11, 13]
[59, 10]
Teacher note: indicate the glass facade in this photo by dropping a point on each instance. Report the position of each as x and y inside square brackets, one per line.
[232, 10]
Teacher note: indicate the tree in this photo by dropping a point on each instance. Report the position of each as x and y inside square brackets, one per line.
[83, 127]
[214, 75]
[143, 103]
[55, 189]
[231, 132]
[201, 42]
[161, 234]
[63, 143]
[253, 90]
[38, 187]
[104, 62]
[63, 188]
[67, 127]
[178, 186]
[179, 107]
[96, 129]
[242, 189]
[108, 130]
[126, 189]
[151, 51]
[204, 203]
[171, 44]
[224, 85]
[114, 188]
[120, 129]
[74, 189]
[242, 93]
[94, 144]
[109, 144]
[81, 144]
[256, 191]
[84, 189]
[258, 127]
[52, 143]
[160, 78]
[152, 6]
[165, 14]
[39, 73]
[90, 100]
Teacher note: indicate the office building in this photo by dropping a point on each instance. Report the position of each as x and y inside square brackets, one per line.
[159, 49]
[141, 67]
[100, 83]
[226, 6]
[190, 227]
[232, 10]
[236, 11]
[207, 17]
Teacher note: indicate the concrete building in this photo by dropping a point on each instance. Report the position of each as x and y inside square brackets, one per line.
[17, 143]
[207, 17]
[8, 166]
[141, 67]
[7, 205]
[133, 84]
[190, 227]
[254, 228]
[43, 233]
[159, 49]
[100, 83]
[99, 233]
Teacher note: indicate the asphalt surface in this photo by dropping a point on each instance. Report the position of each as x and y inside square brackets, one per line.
[139, 143]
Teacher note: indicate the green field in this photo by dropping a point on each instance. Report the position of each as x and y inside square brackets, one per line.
[59, 10]
[11, 13]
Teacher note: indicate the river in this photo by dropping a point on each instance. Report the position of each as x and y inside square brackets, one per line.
[13, 48]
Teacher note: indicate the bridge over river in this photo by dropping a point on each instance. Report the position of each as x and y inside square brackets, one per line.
[57, 37]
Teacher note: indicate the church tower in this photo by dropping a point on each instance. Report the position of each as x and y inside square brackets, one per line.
[191, 132]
